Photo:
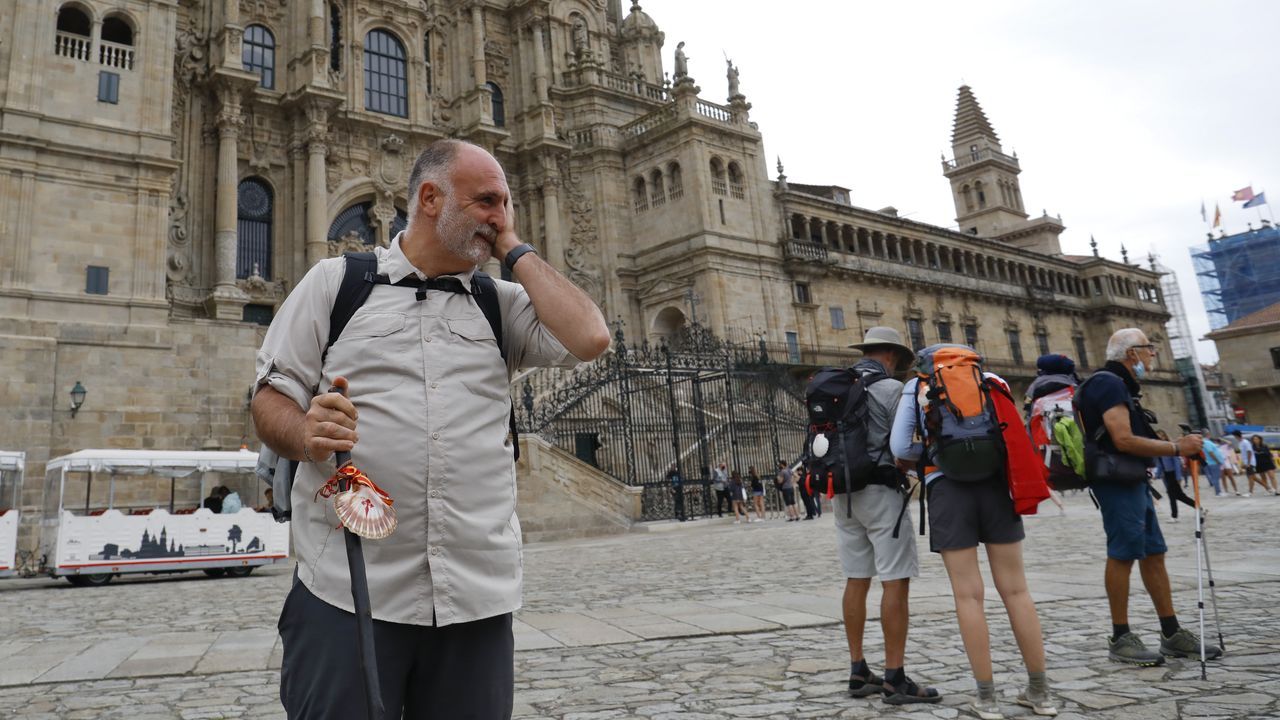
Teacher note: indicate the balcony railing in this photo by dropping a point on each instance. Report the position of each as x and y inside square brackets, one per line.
[70, 45]
[633, 86]
[713, 111]
[646, 123]
[977, 156]
[115, 55]
[805, 250]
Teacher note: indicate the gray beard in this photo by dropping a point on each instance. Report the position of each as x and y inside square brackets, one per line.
[458, 235]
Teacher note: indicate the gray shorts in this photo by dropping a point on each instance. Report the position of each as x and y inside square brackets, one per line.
[865, 541]
[963, 514]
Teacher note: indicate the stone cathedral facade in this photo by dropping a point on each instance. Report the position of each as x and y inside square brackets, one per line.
[170, 168]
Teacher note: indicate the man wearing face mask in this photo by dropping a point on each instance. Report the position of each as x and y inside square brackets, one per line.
[1114, 421]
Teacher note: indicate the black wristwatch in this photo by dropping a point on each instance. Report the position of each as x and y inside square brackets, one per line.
[516, 253]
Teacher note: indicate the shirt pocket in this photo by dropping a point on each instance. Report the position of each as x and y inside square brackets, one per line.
[479, 362]
[372, 325]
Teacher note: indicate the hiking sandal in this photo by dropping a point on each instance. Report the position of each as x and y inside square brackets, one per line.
[907, 693]
[860, 686]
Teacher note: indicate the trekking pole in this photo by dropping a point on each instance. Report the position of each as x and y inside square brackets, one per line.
[1200, 578]
[1213, 593]
[366, 657]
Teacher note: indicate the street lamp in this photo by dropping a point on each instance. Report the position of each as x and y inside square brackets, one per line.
[77, 397]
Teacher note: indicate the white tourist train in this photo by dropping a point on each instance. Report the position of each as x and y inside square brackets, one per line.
[11, 467]
[91, 543]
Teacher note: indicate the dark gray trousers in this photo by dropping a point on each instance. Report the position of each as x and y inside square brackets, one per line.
[455, 672]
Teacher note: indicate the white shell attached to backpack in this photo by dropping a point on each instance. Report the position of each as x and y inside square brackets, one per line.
[820, 445]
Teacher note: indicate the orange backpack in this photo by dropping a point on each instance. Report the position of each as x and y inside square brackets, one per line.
[963, 434]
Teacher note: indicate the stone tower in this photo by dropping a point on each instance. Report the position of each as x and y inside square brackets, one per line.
[985, 187]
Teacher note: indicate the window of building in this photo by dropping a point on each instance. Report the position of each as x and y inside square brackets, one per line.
[354, 220]
[973, 152]
[385, 80]
[837, 317]
[722, 220]
[640, 195]
[96, 280]
[497, 105]
[1275, 357]
[944, 331]
[677, 181]
[335, 37]
[258, 55]
[253, 228]
[399, 223]
[915, 331]
[1082, 355]
[1042, 341]
[736, 182]
[793, 347]
[257, 314]
[718, 185]
[803, 295]
[116, 48]
[72, 36]
[108, 87]
[657, 191]
[1015, 346]
[971, 335]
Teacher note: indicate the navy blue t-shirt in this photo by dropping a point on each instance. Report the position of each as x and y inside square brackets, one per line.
[1103, 391]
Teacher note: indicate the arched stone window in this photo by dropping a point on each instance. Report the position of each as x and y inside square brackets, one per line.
[718, 185]
[354, 221]
[736, 181]
[640, 194]
[982, 195]
[116, 48]
[72, 38]
[676, 191]
[967, 193]
[657, 193]
[258, 55]
[385, 79]
[254, 201]
[335, 37]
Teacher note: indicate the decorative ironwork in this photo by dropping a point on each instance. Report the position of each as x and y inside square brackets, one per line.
[693, 399]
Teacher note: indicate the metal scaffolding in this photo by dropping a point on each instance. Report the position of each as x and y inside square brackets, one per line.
[1238, 274]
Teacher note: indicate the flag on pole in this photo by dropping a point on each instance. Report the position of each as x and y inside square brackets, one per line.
[1217, 215]
[1256, 200]
[1244, 194]
[1203, 216]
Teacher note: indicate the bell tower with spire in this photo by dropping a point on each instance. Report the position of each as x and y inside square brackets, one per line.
[985, 187]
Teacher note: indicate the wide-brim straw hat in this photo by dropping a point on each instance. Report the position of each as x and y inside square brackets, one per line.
[881, 336]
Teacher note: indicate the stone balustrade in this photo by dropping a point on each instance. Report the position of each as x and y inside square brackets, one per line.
[714, 112]
[115, 55]
[646, 123]
[978, 156]
[70, 45]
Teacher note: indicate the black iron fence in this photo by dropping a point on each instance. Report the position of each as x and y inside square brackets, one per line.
[696, 401]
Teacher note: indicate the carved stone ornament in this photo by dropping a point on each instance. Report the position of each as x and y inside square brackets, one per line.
[351, 242]
[391, 167]
[582, 252]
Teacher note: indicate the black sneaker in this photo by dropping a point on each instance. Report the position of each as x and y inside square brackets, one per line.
[1128, 648]
[1185, 644]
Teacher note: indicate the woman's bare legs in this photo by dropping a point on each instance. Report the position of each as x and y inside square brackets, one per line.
[967, 589]
[1011, 583]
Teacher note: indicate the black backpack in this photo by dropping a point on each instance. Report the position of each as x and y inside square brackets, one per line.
[358, 279]
[838, 458]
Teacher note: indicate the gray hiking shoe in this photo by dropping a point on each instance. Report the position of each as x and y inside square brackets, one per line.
[1040, 703]
[1186, 644]
[1128, 648]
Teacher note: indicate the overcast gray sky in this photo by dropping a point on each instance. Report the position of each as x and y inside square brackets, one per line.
[1124, 114]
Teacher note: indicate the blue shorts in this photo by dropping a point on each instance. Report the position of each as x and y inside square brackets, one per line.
[1129, 518]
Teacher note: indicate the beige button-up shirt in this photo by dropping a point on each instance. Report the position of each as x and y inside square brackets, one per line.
[431, 392]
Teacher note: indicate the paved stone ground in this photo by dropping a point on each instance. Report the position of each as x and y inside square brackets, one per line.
[694, 620]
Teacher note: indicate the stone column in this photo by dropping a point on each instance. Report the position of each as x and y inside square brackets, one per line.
[539, 61]
[227, 300]
[297, 209]
[317, 196]
[551, 219]
[477, 39]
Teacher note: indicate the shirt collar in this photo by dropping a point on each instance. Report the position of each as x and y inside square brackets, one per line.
[1130, 382]
[393, 263]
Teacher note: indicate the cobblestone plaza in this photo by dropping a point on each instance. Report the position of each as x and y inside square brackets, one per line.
[698, 620]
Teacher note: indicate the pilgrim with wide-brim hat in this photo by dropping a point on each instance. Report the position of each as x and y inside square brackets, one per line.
[886, 338]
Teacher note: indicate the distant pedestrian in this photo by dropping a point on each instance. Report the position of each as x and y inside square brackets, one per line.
[720, 484]
[786, 481]
[214, 501]
[757, 491]
[1230, 465]
[1249, 462]
[738, 492]
[1266, 464]
[1213, 462]
[1170, 469]
[676, 481]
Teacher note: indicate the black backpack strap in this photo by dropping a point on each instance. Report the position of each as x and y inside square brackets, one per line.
[485, 292]
[357, 283]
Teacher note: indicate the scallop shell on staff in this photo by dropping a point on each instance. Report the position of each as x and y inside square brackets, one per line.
[364, 512]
